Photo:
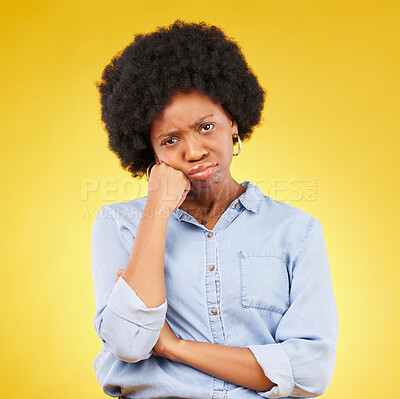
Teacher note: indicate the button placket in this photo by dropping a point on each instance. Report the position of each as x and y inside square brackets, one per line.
[213, 309]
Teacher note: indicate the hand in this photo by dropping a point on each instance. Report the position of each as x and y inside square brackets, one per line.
[168, 186]
[119, 274]
[167, 338]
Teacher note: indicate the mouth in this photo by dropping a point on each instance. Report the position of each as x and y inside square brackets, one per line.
[203, 171]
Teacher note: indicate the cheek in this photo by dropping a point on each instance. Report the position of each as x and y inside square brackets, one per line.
[172, 159]
[227, 147]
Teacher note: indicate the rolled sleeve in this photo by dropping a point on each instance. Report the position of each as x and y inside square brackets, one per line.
[302, 361]
[276, 366]
[125, 303]
[126, 326]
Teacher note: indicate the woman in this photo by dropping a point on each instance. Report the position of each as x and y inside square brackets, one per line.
[204, 288]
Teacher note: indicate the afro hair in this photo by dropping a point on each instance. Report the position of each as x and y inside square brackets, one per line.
[137, 84]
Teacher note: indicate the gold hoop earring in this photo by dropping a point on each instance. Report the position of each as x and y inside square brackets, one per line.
[147, 171]
[240, 146]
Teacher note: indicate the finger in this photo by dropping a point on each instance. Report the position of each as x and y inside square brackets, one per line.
[180, 201]
[183, 197]
[178, 204]
[185, 193]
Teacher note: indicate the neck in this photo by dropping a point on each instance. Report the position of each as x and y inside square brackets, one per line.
[212, 201]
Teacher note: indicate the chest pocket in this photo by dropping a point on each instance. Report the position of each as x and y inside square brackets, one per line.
[264, 280]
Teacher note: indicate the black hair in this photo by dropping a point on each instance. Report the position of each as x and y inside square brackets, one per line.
[137, 84]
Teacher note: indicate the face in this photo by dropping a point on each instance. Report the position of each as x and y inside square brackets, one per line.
[193, 130]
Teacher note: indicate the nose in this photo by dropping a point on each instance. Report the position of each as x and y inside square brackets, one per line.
[194, 149]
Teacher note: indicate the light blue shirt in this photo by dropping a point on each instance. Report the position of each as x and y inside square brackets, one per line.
[260, 279]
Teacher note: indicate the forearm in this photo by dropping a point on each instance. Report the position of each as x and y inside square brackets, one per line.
[228, 363]
[144, 271]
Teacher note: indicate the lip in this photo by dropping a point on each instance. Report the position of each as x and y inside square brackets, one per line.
[203, 171]
[201, 167]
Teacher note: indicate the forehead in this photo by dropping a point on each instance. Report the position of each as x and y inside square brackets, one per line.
[183, 109]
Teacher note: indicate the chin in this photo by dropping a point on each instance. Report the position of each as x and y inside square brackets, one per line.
[211, 181]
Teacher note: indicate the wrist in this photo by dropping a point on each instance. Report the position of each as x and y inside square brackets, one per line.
[155, 209]
[172, 352]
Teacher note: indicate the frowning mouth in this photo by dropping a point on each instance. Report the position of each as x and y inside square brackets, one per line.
[202, 171]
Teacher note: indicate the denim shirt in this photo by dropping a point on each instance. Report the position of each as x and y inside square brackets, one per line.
[260, 279]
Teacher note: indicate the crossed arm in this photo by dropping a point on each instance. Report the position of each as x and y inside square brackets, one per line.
[228, 363]
[236, 365]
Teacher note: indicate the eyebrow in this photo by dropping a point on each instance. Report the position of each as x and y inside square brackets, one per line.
[193, 126]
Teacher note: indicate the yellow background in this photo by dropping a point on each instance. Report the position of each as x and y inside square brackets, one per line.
[331, 69]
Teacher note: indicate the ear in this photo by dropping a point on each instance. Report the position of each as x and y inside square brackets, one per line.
[154, 154]
[156, 158]
[234, 126]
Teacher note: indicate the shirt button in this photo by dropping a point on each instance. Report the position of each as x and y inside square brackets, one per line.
[214, 310]
[237, 205]
[209, 235]
[211, 268]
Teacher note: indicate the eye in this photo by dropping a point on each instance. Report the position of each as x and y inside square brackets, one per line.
[208, 124]
[166, 141]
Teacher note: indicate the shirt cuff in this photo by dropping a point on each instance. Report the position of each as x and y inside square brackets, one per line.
[276, 365]
[125, 303]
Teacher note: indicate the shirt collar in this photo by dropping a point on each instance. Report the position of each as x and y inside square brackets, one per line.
[251, 199]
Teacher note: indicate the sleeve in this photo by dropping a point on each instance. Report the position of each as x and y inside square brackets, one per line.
[126, 326]
[302, 361]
